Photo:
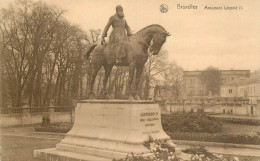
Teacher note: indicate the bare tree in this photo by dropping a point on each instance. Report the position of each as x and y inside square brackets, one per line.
[91, 37]
[41, 51]
[173, 80]
[155, 65]
[16, 46]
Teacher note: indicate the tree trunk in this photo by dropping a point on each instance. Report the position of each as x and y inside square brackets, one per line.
[147, 88]
[48, 86]
[18, 96]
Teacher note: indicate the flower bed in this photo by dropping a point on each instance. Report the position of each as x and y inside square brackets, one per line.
[201, 154]
[56, 128]
[165, 152]
[161, 150]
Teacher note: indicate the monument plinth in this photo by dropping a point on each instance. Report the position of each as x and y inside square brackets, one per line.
[110, 129]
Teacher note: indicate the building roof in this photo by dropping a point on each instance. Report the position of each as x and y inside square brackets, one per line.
[224, 72]
[240, 82]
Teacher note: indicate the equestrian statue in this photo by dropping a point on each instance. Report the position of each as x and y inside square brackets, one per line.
[124, 49]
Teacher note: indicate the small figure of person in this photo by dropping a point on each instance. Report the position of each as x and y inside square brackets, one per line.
[45, 120]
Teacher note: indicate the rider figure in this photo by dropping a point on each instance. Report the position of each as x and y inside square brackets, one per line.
[118, 34]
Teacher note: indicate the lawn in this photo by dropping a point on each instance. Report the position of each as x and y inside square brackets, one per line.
[240, 129]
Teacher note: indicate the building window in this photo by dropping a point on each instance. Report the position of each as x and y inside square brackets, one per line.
[230, 91]
[191, 81]
[201, 91]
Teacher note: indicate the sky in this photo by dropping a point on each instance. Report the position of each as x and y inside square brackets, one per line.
[226, 39]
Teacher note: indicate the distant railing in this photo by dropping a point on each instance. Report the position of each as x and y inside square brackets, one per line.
[11, 111]
[38, 110]
[208, 104]
[63, 108]
[4, 111]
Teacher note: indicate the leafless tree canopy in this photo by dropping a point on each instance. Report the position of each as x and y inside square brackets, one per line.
[42, 53]
[42, 59]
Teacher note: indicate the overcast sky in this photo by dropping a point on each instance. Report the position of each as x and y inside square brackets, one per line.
[200, 38]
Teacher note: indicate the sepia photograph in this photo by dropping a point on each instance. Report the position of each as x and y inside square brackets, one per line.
[129, 80]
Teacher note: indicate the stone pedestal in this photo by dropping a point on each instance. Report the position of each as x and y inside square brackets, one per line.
[110, 129]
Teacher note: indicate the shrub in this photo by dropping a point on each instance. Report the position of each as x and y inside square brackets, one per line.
[222, 138]
[190, 122]
[238, 120]
[58, 128]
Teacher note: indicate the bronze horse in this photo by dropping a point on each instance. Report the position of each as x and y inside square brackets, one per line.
[136, 48]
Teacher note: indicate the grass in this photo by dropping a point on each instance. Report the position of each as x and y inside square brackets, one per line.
[240, 129]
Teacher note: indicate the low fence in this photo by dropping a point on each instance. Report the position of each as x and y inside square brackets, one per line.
[27, 115]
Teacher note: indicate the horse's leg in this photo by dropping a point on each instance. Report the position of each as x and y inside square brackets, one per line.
[139, 70]
[130, 80]
[95, 69]
[108, 69]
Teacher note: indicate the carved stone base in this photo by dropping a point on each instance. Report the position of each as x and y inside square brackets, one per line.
[112, 129]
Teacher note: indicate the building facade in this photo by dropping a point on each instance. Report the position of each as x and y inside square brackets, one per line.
[194, 87]
[247, 88]
[192, 84]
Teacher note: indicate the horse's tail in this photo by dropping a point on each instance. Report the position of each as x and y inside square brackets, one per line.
[90, 49]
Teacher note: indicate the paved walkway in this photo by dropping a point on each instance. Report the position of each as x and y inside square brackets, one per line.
[28, 132]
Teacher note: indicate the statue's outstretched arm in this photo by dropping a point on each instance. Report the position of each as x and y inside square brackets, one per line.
[128, 30]
[107, 27]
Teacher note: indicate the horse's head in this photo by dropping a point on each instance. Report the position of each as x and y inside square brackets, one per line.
[157, 41]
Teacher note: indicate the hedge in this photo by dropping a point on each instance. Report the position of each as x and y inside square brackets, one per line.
[222, 138]
[190, 122]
